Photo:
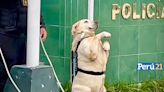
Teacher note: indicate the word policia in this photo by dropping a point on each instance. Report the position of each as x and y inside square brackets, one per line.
[151, 11]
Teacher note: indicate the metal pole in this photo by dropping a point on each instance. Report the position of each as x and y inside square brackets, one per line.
[33, 33]
[91, 9]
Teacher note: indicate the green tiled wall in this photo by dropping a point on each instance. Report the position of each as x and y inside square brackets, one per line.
[132, 41]
[59, 15]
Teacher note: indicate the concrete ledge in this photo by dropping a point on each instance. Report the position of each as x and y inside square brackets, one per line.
[35, 79]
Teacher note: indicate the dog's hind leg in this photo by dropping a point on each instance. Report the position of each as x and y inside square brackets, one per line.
[80, 88]
[104, 89]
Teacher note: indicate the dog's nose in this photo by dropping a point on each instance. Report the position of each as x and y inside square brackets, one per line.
[96, 22]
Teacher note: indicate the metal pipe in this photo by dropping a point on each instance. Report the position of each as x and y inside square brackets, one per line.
[91, 9]
[33, 33]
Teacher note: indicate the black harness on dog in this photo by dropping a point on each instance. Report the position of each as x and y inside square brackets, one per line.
[75, 67]
[75, 60]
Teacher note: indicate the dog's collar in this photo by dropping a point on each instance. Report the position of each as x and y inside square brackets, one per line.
[90, 72]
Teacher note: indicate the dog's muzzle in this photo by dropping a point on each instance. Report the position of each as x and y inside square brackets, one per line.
[96, 24]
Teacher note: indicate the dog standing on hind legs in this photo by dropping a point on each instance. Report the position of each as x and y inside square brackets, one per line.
[92, 56]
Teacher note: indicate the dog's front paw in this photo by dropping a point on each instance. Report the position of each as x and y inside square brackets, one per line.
[106, 46]
[106, 35]
[103, 35]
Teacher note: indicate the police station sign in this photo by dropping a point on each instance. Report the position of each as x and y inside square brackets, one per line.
[150, 11]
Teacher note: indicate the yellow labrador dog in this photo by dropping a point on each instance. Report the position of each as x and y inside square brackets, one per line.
[92, 56]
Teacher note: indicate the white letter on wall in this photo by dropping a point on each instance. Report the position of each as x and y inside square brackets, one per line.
[126, 11]
[162, 15]
[143, 11]
[135, 15]
[150, 7]
[115, 11]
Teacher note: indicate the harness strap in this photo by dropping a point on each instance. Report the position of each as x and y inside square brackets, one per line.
[90, 72]
[75, 59]
[75, 68]
[79, 43]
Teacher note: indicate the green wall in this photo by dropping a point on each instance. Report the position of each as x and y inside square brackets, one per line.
[59, 15]
[132, 41]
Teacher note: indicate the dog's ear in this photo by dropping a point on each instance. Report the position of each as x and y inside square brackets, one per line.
[74, 28]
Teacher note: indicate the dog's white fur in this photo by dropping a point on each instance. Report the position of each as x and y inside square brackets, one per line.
[92, 56]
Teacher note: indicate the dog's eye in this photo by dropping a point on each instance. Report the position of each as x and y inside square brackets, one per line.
[86, 21]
